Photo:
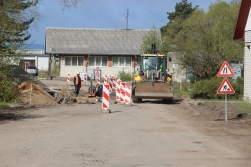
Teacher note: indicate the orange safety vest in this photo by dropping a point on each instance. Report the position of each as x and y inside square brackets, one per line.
[76, 81]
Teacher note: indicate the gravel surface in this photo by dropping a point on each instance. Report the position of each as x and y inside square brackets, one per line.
[146, 134]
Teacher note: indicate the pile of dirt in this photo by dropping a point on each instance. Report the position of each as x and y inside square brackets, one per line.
[213, 111]
[34, 94]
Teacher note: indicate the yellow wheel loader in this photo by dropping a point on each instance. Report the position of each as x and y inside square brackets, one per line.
[152, 80]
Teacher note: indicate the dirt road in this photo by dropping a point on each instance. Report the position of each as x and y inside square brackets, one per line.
[147, 134]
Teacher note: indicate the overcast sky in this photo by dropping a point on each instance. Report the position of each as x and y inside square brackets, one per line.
[108, 14]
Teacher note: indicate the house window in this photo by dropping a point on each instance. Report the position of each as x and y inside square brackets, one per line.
[97, 61]
[74, 61]
[121, 61]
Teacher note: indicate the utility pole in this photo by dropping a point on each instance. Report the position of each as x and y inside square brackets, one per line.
[127, 15]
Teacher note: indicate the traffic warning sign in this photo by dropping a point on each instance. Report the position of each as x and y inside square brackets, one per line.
[225, 70]
[225, 87]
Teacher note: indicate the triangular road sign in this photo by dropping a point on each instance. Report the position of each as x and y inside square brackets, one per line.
[225, 70]
[225, 87]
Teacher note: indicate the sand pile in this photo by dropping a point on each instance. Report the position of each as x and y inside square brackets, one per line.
[29, 91]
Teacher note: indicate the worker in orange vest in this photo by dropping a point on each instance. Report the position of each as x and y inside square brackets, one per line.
[77, 83]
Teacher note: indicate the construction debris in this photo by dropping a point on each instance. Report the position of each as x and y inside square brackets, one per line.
[34, 94]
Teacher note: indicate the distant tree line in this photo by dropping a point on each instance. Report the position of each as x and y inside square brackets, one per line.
[205, 39]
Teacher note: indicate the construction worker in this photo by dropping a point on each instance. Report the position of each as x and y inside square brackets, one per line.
[99, 91]
[77, 83]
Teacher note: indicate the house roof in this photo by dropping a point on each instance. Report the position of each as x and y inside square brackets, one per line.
[242, 20]
[94, 41]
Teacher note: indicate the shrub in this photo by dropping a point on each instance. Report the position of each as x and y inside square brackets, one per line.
[4, 105]
[207, 89]
[7, 82]
[238, 86]
[125, 76]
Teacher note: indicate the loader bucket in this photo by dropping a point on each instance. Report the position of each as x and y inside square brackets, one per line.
[152, 90]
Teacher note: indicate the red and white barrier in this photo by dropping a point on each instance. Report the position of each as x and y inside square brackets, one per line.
[122, 92]
[118, 89]
[112, 83]
[97, 77]
[105, 79]
[68, 81]
[105, 98]
[85, 78]
[127, 94]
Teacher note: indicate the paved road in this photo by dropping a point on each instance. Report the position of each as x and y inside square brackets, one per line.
[81, 135]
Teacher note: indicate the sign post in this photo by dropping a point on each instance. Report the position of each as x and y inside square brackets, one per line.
[225, 87]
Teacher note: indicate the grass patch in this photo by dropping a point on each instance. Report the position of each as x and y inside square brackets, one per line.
[4, 105]
[181, 92]
[247, 106]
[223, 100]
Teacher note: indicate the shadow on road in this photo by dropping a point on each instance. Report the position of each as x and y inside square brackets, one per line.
[15, 114]
[158, 101]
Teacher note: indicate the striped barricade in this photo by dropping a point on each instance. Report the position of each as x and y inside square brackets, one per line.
[122, 92]
[105, 79]
[85, 78]
[68, 80]
[118, 89]
[127, 94]
[112, 83]
[97, 76]
[106, 97]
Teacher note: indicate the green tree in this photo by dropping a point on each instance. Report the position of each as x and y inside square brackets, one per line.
[7, 82]
[152, 37]
[206, 39]
[17, 17]
[14, 27]
[183, 11]
[15, 23]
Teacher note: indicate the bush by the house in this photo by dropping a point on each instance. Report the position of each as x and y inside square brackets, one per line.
[125, 76]
[207, 89]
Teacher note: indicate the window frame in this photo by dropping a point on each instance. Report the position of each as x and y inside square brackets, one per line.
[119, 62]
[95, 64]
[77, 65]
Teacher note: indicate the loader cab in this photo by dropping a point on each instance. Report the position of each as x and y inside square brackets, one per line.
[151, 63]
[151, 66]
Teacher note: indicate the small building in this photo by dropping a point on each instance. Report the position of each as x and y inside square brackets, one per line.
[173, 65]
[237, 69]
[35, 56]
[243, 32]
[83, 50]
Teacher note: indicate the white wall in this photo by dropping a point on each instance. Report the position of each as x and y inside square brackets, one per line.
[246, 73]
[248, 25]
[109, 71]
[247, 61]
[42, 63]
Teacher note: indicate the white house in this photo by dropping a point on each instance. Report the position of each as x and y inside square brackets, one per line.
[82, 50]
[243, 32]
